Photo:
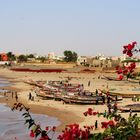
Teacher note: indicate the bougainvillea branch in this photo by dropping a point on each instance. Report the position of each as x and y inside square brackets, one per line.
[128, 70]
[36, 130]
[130, 49]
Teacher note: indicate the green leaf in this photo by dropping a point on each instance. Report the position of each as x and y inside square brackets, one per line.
[31, 124]
[25, 114]
[27, 121]
[37, 133]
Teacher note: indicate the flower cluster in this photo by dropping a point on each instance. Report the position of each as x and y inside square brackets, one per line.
[129, 49]
[127, 71]
[44, 134]
[36, 130]
[107, 124]
[90, 112]
[74, 132]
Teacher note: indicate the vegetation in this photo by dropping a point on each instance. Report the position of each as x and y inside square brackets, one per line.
[42, 59]
[31, 56]
[11, 56]
[70, 56]
[22, 58]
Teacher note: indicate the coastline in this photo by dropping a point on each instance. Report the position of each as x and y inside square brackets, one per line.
[65, 117]
[65, 113]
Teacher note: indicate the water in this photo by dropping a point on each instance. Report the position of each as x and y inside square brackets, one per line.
[12, 123]
[4, 82]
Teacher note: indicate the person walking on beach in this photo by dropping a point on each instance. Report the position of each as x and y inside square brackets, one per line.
[130, 112]
[12, 94]
[96, 125]
[88, 83]
[108, 99]
[16, 96]
[96, 92]
[103, 98]
[109, 108]
[30, 96]
[115, 107]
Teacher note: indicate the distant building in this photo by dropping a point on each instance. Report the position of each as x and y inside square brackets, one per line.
[51, 55]
[59, 58]
[103, 62]
[81, 60]
[3, 57]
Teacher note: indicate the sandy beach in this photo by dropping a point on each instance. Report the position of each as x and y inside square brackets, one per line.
[66, 113]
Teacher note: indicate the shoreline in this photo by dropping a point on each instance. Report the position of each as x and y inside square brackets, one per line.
[65, 117]
[65, 113]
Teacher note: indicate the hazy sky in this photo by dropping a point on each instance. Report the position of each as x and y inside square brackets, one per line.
[87, 27]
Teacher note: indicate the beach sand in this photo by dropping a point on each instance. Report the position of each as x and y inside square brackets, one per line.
[66, 113]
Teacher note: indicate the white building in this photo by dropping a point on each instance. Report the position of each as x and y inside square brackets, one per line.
[81, 60]
[51, 55]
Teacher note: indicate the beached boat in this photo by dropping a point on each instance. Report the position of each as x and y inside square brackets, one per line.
[127, 109]
[85, 97]
[82, 99]
[110, 78]
[30, 82]
[42, 94]
[134, 80]
[116, 98]
[35, 83]
[49, 94]
[64, 86]
[113, 95]
[134, 108]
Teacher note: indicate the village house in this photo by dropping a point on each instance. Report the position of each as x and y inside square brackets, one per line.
[4, 59]
[81, 60]
[103, 62]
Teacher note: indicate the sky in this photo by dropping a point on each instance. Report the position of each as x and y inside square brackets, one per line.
[87, 27]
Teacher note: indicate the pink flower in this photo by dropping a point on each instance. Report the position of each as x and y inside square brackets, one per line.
[47, 128]
[120, 77]
[32, 134]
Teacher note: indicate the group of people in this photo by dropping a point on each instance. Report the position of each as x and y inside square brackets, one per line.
[15, 95]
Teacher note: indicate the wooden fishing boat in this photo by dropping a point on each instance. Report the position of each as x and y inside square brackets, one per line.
[110, 78]
[35, 83]
[30, 82]
[49, 95]
[81, 99]
[65, 86]
[134, 107]
[118, 98]
[127, 109]
[44, 95]
[134, 80]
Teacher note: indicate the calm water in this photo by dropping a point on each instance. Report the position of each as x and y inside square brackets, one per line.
[12, 123]
[4, 82]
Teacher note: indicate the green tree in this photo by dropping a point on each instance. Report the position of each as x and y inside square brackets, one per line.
[31, 56]
[22, 58]
[70, 56]
[42, 59]
[11, 56]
